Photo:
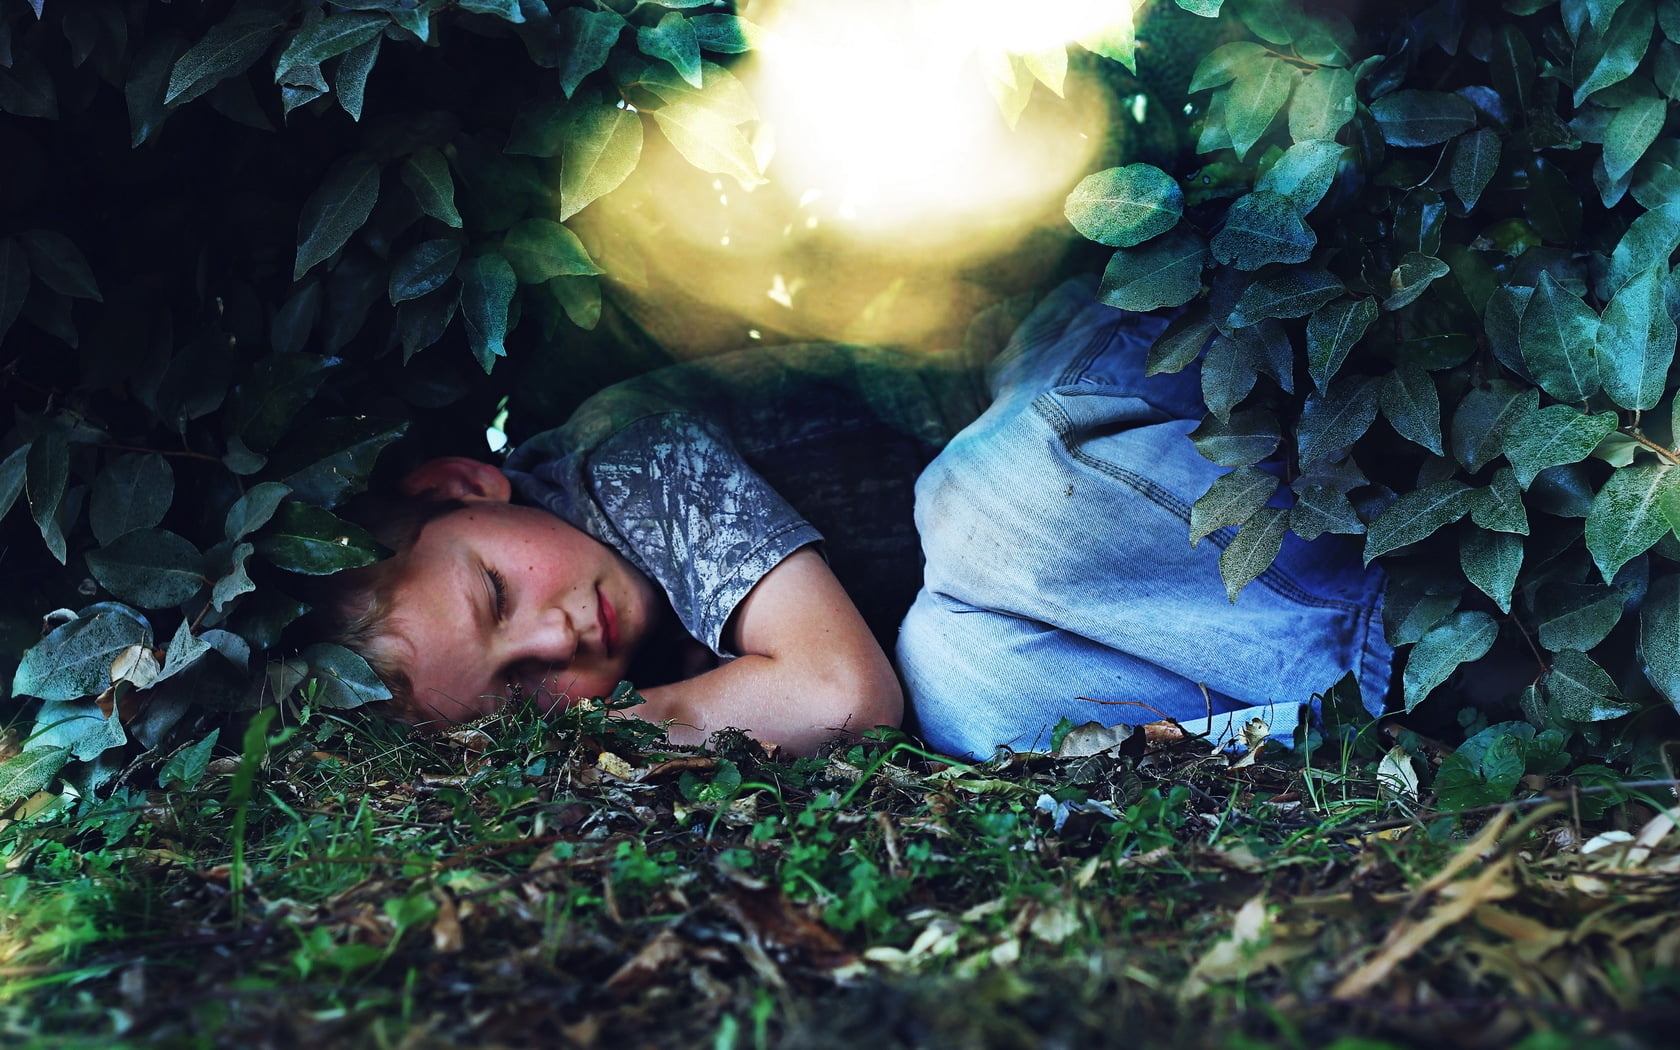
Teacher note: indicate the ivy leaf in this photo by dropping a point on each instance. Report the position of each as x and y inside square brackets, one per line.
[1552, 436]
[600, 148]
[1172, 351]
[75, 659]
[1413, 117]
[1167, 271]
[1649, 241]
[1323, 103]
[1263, 227]
[331, 458]
[591, 36]
[673, 40]
[1627, 517]
[1512, 67]
[1559, 337]
[1123, 207]
[1636, 340]
[252, 511]
[184, 650]
[228, 49]
[725, 34]
[236, 580]
[1411, 404]
[186, 767]
[1332, 333]
[1224, 63]
[11, 478]
[1491, 562]
[46, 477]
[337, 209]
[328, 38]
[1579, 690]
[1337, 417]
[1475, 159]
[1659, 637]
[423, 268]
[1116, 39]
[1319, 509]
[1482, 417]
[1412, 278]
[1575, 615]
[507, 10]
[488, 282]
[59, 264]
[1632, 131]
[539, 249]
[132, 492]
[426, 174]
[1499, 506]
[1611, 56]
[351, 79]
[1460, 638]
[1228, 374]
[1294, 292]
[1248, 437]
[1252, 550]
[23, 775]
[1304, 172]
[345, 679]
[1205, 8]
[1415, 516]
[1231, 500]
[1260, 90]
[312, 540]
[709, 141]
[152, 568]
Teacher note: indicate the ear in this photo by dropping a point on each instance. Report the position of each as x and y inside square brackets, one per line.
[457, 477]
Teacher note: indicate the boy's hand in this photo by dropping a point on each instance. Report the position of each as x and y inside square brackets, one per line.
[809, 669]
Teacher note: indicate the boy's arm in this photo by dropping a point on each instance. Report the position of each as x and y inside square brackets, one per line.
[809, 669]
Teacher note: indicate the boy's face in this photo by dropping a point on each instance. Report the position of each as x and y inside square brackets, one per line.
[494, 596]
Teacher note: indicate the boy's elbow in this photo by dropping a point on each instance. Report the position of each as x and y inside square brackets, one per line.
[867, 698]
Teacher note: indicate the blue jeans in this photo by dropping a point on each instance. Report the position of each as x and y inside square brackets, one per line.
[1060, 573]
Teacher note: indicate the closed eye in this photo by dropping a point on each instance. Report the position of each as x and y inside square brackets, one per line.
[498, 589]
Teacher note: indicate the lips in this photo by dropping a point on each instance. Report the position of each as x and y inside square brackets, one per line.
[609, 622]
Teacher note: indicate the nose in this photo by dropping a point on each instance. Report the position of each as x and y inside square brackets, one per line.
[541, 644]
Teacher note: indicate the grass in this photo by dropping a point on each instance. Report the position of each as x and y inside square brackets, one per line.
[330, 882]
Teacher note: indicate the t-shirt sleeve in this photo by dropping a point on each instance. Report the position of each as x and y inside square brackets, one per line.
[671, 494]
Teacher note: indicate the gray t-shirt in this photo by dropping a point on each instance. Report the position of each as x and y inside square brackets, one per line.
[705, 475]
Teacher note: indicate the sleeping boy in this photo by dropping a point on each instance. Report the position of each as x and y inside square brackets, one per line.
[746, 538]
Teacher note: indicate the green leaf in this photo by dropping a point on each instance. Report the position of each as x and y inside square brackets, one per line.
[1263, 227]
[1323, 103]
[1609, 57]
[426, 174]
[46, 477]
[26, 88]
[345, 678]
[1224, 62]
[330, 459]
[1320, 509]
[23, 775]
[1411, 404]
[1460, 638]
[1248, 437]
[1172, 351]
[539, 249]
[337, 209]
[590, 36]
[1499, 506]
[1123, 207]
[59, 264]
[252, 511]
[1332, 333]
[1256, 96]
[422, 269]
[1627, 516]
[236, 580]
[1485, 769]
[1116, 39]
[1416, 516]
[674, 41]
[1205, 8]
[1559, 337]
[506, 10]
[1304, 172]
[133, 492]
[1636, 339]
[1231, 500]
[1228, 374]
[1551, 436]
[1483, 415]
[1293, 292]
[1413, 605]
[328, 38]
[14, 281]
[151, 568]
[1167, 271]
[1252, 550]
[1649, 241]
[709, 141]
[11, 478]
[75, 659]
[351, 79]
[1575, 615]
[312, 540]
[487, 286]
[184, 650]
[185, 769]
[726, 34]
[1412, 278]
[1512, 67]
[600, 148]
[1579, 690]
[1632, 131]
[1491, 561]
[1413, 117]
[227, 49]
[1475, 159]
[1659, 637]
[1336, 418]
